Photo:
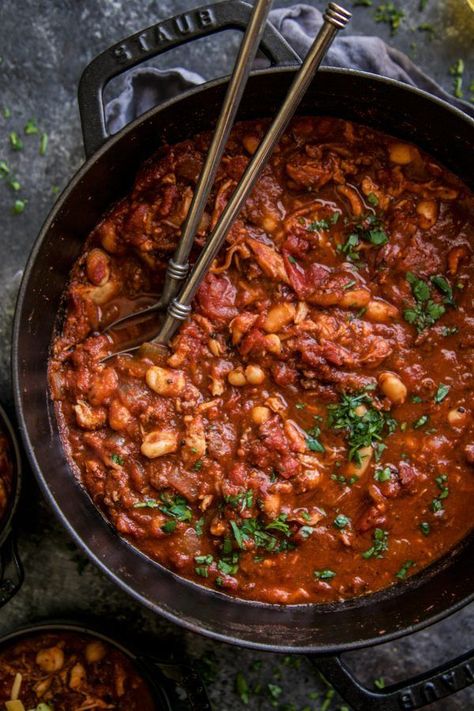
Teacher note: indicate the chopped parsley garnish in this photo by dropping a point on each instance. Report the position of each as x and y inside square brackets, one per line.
[202, 571]
[31, 128]
[441, 393]
[312, 441]
[243, 500]
[15, 141]
[43, 147]
[348, 248]
[379, 546]
[204, 559]
[379, 683]
[6, 112]
[341, 521]
[437, 503]
[18, 206]
[15, 184]
[279, 524]
[425, 528]
[274, 691]
[382, 475]
[457, 71]
[362, 430]
[349, 284]
[402, 573]
[203, 563]
[324, 574]
[174, 506]
[147, 504]
[420, 422]
[199, 526]
[379, 448]
[197, 466]
[242, 688]
[253, 530]
[318, 225]
[4, 169]
[169, 526]
[444, 287]
[292, 260]
[306, 531]
[229, 564]
[369, 229]
[117, 459]
[343, 480]
[416, 398]
[300, 405]
[372, 199]
[425, 312]
[390, 14]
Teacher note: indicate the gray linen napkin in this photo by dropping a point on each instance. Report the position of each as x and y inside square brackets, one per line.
[145, 88]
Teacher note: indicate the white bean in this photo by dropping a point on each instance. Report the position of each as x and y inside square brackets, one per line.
[158, 443]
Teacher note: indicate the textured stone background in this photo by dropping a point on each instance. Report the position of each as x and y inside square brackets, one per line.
[44, 44]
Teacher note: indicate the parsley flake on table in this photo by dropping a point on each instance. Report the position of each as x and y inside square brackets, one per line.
[43, 144]
[15, 141]
[242, 687]
[391, 15]
[31, 128]
[19, 206]
[457, 71]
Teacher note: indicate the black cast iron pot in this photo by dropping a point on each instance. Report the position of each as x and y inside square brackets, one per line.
[405, 112]
[172, 681]
[11, 569]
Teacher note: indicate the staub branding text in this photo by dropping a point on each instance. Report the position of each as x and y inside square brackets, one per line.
[164, 34]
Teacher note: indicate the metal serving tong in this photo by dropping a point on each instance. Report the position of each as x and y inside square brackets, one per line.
[179, 307]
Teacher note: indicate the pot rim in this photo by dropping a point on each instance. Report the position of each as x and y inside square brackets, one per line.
[230, 638]
[14, 498]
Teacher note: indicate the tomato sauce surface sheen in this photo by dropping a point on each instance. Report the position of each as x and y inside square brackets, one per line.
[310, 436]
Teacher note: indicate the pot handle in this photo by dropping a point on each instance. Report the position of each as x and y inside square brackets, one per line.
[179, 681]
[407, 695]
[11, 571]
[157, 39]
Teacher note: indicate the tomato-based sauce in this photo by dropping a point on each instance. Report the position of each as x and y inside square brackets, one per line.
[309, 438]
[67, 671]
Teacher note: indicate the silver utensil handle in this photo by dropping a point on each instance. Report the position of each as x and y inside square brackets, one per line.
[335, 18]
[178, 265]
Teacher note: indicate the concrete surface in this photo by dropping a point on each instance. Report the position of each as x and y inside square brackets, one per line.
[44, 44]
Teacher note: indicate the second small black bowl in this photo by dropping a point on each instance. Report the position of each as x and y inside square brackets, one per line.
[172, 681]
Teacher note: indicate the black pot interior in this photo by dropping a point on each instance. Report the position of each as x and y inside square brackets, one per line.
[383, 104]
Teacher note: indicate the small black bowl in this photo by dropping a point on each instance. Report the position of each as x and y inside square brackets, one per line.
[11, 570]
[173, 682]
